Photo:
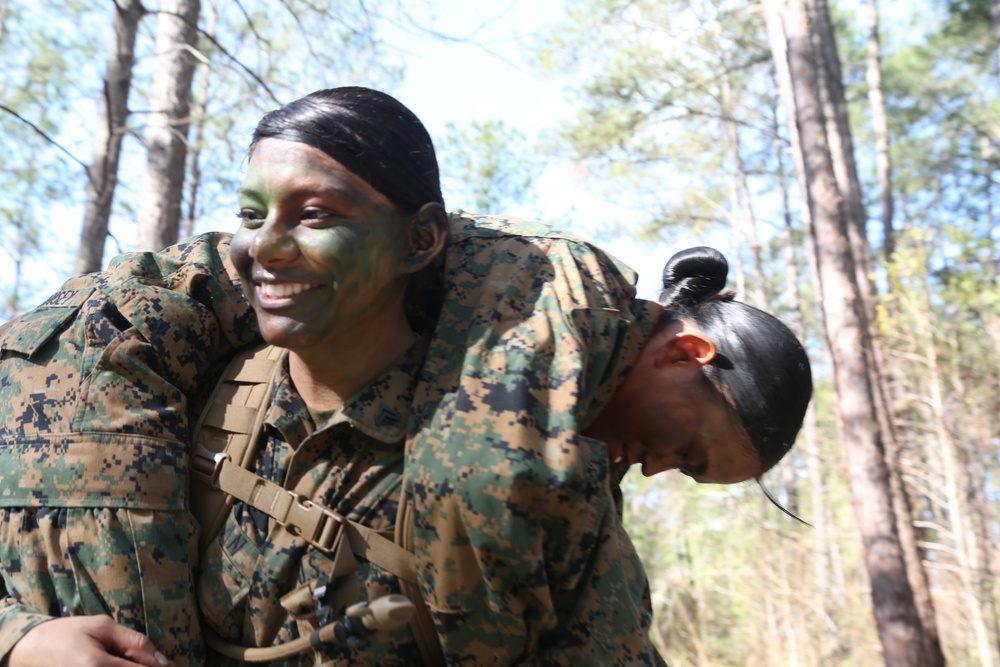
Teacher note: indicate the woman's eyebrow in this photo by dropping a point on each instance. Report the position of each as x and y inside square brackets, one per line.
[250, 193]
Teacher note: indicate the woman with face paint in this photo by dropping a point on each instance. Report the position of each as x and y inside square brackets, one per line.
[500, 372]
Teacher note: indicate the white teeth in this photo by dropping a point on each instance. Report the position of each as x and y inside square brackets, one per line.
[282, 290]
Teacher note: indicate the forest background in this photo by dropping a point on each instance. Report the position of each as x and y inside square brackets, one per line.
[846, 166]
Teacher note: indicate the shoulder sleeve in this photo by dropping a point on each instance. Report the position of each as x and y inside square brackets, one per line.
[520, 547]
[116, 361]
[194, 282]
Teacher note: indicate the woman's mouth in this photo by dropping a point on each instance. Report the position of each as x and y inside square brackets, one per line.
[277, 291]
[619, 452]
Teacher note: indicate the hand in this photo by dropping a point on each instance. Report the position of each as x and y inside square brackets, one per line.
[84, 641]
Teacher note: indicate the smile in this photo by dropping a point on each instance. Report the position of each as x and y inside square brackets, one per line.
[283, 290]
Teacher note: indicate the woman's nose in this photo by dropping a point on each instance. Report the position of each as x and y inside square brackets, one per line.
[653, 464]
[273, 244]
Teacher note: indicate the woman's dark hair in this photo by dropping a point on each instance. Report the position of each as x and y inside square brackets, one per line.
[759, 361]
[370, 133]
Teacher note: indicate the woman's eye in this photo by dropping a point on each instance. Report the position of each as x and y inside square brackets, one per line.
[694, 463]
[250, 217]
[316, 214]
[686, 457]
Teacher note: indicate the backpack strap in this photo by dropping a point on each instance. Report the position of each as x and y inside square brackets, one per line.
[226, 437]
[422, 624]
[228, 428]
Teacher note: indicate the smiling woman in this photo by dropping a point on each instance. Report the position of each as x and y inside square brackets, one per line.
[325, 261]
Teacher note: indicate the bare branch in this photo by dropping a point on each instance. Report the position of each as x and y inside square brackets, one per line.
[226, 53]
[44, 135]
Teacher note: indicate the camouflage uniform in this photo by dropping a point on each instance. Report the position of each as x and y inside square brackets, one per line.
[353, 464]
[518, 538]
[95, 391]
[520, 547]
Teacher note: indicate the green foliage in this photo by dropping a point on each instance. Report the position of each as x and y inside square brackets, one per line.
[489, 164]
[971, 21]
[665, 87]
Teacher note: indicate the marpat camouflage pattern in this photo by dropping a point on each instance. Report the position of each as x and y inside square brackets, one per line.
[519, 541]
[96, 389]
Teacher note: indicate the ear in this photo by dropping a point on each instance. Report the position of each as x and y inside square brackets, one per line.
[686, 347]
[427, 232]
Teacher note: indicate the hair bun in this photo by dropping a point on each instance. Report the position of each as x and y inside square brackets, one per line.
[693, 275]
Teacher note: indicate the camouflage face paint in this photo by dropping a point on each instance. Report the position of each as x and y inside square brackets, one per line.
[320, 252]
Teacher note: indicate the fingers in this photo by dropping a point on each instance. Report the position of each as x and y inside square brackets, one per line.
[127, 643]
[84, 641]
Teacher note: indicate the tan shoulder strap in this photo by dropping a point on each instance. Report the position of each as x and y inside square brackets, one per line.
[229, 427]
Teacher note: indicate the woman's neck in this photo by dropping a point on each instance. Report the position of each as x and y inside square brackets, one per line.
[328, 376]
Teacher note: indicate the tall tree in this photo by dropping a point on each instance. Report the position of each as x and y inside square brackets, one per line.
[880, 121]
[112, 117]
[830, 87]
[895, 610]
[839, 134]
[160, 199]
[916, 573]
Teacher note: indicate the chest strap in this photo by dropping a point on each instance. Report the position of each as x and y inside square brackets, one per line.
[318, 525]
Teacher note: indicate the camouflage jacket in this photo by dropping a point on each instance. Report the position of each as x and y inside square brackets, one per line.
[96, 389]
[522, 555]
[520, 547]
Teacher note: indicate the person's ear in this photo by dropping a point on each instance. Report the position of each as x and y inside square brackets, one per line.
[685, 347]
[427, 232]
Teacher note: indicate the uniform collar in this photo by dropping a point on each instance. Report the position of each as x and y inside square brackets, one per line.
[380, 410]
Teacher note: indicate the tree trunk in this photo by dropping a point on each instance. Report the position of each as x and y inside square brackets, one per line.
[102, 175]
[19, 255]
[991, 319]
[915, 572]
[845, 169]
[200, 120]
[952, 472]
[876, 100]
[744, 204]
[831, 93]
[915, 569]
[895, 611]
[166, 133]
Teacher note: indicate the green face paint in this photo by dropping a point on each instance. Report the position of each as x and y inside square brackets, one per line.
[322, 254]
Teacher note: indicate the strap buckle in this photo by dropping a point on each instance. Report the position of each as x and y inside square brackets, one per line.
[209, 467]
[314, 523]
